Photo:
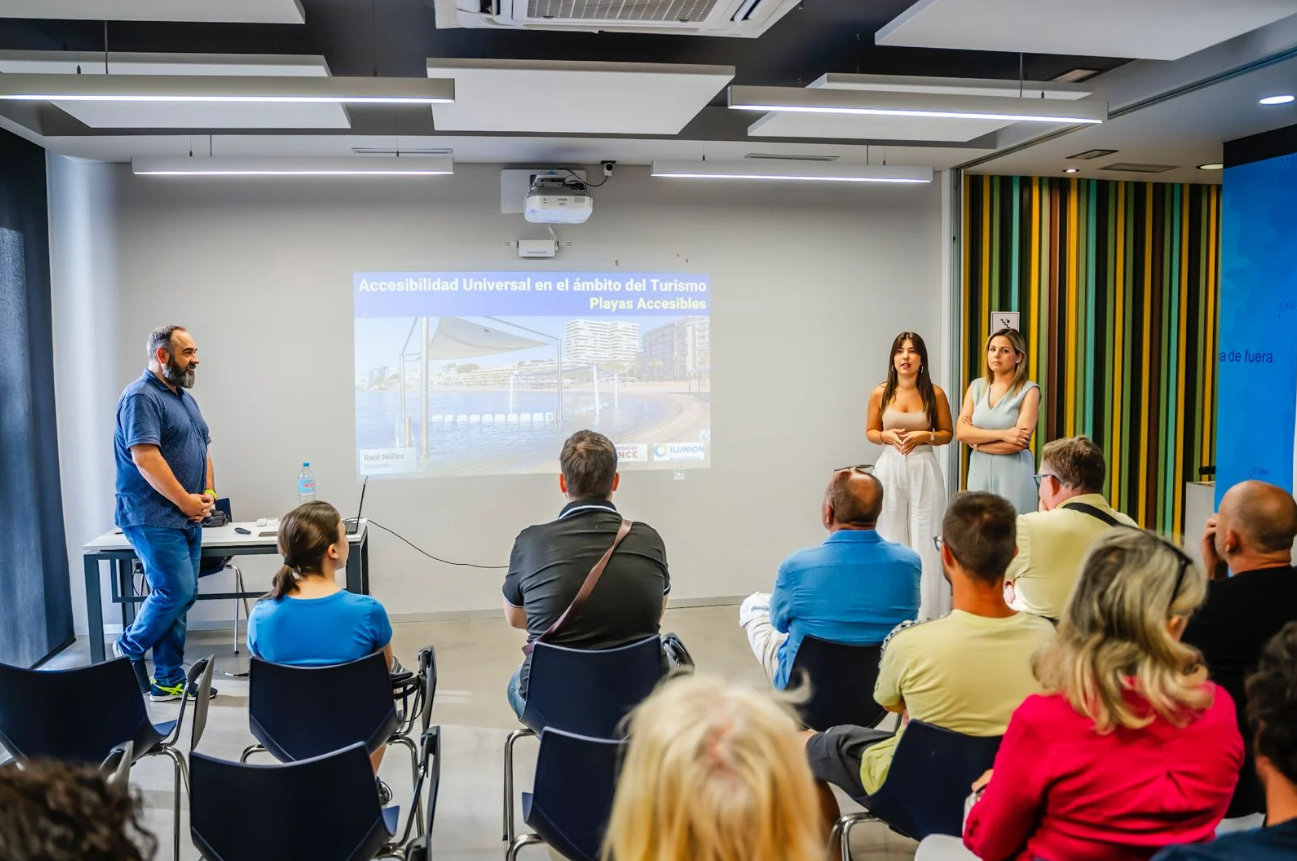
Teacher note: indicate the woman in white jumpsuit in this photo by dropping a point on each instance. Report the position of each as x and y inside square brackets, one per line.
[908, 416]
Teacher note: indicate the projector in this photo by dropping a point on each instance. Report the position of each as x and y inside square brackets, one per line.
[558, 200]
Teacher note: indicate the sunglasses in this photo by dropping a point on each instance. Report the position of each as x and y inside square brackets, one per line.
[1180, 555]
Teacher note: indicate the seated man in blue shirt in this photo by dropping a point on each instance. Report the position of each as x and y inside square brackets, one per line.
[1272, 715]
[853, 589]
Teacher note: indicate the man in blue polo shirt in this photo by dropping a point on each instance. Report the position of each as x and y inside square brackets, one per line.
[853, 589]
[165, 490]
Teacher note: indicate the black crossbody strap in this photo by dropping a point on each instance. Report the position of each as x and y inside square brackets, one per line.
[1096, 513]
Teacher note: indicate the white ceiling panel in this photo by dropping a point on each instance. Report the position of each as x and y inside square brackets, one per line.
[857, 127]
[179, 115]
[574, 97]
[1145, 29]
[205, 11]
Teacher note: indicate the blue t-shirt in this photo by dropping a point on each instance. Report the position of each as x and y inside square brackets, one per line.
[318, 632]
[853, 589]
[150, 413]
[1277, 843]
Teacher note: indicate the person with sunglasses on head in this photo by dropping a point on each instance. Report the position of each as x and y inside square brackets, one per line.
[1251, 595]
[909, 416]
[1130, 748]
[965, 672]
[853, 588]
[997, 421]
[1052, 541]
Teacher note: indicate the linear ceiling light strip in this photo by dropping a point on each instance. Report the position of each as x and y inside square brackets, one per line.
[325, 166]
[225, 88]
[791, 171]
[823, 100]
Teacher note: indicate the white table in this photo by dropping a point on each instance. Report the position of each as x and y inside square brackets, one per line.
[218, 541]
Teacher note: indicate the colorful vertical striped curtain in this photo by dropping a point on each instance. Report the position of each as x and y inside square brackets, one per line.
[1116, 286]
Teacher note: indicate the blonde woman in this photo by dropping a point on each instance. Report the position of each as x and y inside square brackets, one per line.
[1131, 749]
[997, 420]
[715, 772]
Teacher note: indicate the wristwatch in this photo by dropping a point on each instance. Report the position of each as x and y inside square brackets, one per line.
[210, 492]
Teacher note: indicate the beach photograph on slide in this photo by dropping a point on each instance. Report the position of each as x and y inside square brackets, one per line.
[486, 373]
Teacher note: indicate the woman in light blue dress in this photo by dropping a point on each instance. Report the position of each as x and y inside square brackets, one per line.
[997, 421]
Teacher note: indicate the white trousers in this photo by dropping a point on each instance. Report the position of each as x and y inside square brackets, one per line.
[914, 502]
[943, 847]
[765, 641]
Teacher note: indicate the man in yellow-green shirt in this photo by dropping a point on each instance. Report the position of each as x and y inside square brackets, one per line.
[965, 672]
[1053, 541]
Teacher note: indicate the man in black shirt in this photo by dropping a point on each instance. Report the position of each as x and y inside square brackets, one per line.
[1272, 713]
[1247, 549]
[550, 562]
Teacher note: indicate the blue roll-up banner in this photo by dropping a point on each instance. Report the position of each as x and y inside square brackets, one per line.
[1256, 404]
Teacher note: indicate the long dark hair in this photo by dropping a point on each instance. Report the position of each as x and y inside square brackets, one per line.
[924, 381]
[305, 535]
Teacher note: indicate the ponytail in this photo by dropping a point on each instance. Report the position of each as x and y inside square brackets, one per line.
[284, 584]
[305, 535]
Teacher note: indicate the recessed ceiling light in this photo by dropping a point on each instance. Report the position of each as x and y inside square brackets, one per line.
[1215, 165]
[1278, 100]
[1075, 76]
[1071, 170]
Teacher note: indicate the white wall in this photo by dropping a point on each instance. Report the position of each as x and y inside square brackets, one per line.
[810, 284]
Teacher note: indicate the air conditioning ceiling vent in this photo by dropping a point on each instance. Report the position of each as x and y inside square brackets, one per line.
[741, 18]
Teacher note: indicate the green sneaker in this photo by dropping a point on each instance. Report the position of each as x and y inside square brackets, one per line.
[166, 693]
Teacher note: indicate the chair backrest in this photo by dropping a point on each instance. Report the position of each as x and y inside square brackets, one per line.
[302, 712]
[325, 808]
[571, 800]
[931, 775]
[213, 564]
[200, 680]
[428, 672]
[841, 680]
[589, 691]
[76, 715]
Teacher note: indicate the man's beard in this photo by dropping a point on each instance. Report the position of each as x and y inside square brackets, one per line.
[173, 374]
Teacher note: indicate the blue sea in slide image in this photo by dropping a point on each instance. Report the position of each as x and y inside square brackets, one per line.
[461, 448]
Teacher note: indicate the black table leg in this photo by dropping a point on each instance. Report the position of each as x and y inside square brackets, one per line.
[94, 610]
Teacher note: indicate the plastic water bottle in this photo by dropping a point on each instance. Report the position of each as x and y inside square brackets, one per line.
[305, 485]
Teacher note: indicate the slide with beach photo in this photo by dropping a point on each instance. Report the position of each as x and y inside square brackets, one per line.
[486, 373]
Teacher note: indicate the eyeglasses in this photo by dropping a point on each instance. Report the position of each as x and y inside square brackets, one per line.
[859, 467]
[1040, 476]
[938, 542]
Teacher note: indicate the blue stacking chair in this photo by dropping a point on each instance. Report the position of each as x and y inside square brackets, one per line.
[216, 564]
[569, 805]
[90, 714]
[931, 775]
[583, 691]
[841, 680]
[298, 713]
[240, 812]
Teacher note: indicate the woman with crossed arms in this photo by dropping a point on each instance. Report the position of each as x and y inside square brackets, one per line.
[997, 421]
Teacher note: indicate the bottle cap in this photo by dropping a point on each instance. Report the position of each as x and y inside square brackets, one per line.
[305, 464]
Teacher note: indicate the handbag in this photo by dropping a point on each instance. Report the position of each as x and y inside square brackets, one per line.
[586, 588]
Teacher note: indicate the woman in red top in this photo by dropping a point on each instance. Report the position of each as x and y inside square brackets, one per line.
[1132, 749]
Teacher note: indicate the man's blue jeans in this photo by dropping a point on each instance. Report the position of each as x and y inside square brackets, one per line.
[516, 702]
[171, 562]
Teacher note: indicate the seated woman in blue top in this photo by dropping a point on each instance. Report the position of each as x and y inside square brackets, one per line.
[307, 619]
